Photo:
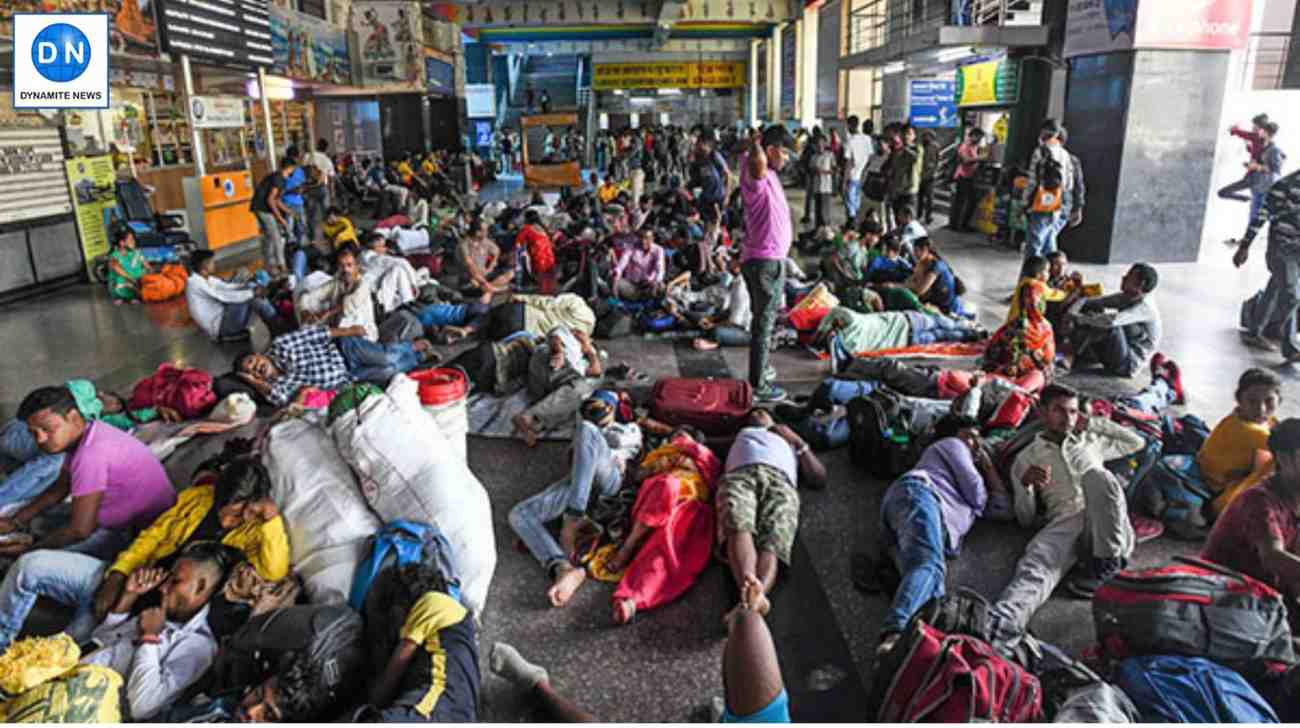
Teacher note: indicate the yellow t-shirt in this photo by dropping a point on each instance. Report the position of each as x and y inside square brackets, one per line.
[608, 193]
[428, 167]
[449, 668]
[1229, 452]
[340, 233]
[405, 171]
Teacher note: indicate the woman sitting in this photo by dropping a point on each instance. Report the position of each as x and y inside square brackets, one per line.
[932, 283]
[1025, 343]
[126, 268]
[672, 525]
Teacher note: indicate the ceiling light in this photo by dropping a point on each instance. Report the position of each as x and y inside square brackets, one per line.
[952, 54]
[892, 68]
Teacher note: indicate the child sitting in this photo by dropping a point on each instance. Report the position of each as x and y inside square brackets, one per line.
[890, 266]
[846, 265]
[1227, 458]
[909, 230]
[432, 674]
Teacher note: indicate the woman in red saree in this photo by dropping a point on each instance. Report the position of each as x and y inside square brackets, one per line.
[672, 526]
[1025, 343]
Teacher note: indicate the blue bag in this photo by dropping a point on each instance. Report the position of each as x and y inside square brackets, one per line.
[405, 542]
[833, 392]
[1169, 689]
[657, 322]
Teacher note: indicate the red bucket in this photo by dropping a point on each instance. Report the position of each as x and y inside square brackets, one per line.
[440, 386]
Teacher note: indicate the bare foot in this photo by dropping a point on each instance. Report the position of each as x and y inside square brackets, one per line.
[524, 426]
[486, 298]
[752, 596]
[624, 611]
[567, 581]
[705, 345]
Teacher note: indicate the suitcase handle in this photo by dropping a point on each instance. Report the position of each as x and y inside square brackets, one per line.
[1211, 566]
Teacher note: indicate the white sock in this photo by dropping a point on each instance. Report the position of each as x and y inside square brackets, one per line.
[507, 663]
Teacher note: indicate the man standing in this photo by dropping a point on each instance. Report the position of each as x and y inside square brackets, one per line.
[906, 169]
[969, 155]
[929, 167]
[1060, 486]
[768, 234]
[823, 171]
[1281, 209]
[711, 176]
[273, 215]
[319, 197]
[859, 151]
[1049, 194]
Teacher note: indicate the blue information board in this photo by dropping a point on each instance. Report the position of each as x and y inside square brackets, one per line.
[483, 134]
[933, 104]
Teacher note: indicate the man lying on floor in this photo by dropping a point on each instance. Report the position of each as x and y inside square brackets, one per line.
[848, 333]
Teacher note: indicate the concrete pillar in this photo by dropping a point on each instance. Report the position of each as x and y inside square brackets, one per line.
[751, 92]
[774, 74]
[806, 100]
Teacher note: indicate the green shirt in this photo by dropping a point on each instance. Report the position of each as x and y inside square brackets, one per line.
[863, 332]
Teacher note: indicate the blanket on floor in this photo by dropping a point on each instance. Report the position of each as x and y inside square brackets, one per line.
[492, 416]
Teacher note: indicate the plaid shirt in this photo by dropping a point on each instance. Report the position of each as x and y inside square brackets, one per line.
[307, 358]
[1281, 209]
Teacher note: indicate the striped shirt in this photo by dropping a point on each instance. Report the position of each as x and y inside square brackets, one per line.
[1281, 209]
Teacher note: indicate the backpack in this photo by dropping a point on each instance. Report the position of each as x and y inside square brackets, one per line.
[613, 325]
[878, 439]
[1048, 197]
[656, 322]
[406, 542]
[1171, 689]
[164, 285]
[932, 677]
[400, 325]
[1193, 607]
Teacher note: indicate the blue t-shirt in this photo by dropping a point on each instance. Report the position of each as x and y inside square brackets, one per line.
[944, 291]
[885, 270]
[293, 188]
[437, 315]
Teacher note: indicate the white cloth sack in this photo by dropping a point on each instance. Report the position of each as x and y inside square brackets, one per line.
[328, 521]
[409, 470]
[394, 281]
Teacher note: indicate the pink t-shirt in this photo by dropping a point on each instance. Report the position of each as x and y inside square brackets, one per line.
[768, 227]
[134, 484]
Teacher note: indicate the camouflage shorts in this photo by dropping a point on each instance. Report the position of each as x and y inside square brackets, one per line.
[760, 500]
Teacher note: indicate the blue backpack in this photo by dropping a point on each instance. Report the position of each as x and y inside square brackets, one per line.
[405, 542]
[1168, 689]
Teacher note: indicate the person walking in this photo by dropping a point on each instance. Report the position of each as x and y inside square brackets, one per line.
[860, 149]
[1281, 210]
[1049, 193]
[823, 171]
[769, 231]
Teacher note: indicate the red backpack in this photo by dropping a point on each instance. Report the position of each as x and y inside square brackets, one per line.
[930, 677]
[188, 391]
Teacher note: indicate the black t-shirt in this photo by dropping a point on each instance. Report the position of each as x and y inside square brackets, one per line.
[262, 195]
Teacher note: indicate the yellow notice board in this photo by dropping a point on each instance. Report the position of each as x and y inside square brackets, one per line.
[668, 74]
[979, 84]
[91, 180]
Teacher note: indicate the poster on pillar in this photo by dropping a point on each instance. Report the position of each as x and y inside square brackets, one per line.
[789, 64]
[133, 30]
[1100, 26]
[391, 36]
[932, 104]
[308, 48]
[91, 182]
[1106, 26]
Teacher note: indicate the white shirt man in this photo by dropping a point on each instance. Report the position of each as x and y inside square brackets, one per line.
[155, 672]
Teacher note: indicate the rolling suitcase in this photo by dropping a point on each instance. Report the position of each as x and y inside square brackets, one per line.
[716, 406]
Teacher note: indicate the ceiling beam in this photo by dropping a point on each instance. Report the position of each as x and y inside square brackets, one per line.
[670, 11]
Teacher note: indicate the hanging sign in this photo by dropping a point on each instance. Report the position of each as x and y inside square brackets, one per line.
[217, 112]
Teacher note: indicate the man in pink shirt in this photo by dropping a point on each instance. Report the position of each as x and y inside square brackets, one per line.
[116, 483]
[969, 155]
[769, 231]
[641, 270]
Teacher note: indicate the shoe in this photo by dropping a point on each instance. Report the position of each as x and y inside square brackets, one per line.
[1157, 366]
[1085, 585]
[1259, 342]
[1146, 529]
[771, 394]
[1174, 376]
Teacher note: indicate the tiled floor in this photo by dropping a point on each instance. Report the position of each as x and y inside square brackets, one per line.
[666, 665]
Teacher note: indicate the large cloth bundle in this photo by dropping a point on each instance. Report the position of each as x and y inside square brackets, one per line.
[85, 694]
[328, 522]
[409, 470]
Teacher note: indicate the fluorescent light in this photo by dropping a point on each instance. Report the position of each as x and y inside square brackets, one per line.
[618, 92]
[952, 54]
[670, 92]
[892, 68]
[275, 92]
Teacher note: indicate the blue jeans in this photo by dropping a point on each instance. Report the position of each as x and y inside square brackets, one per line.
[853, 199]
[593, 467]
[372, 362]
[236, 316]
[728, 335]
[1256, 202]
[913, 523]
[1152, 400]
[1042, 230]
[31, 470]
[298, 264]
[935, 329]
[1281, 300]
[64, 576]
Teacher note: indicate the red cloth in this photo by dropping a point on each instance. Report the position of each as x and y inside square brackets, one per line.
[1256, 511]
[678, 550]
[1254, 142]
[540, 250]
[953, 383]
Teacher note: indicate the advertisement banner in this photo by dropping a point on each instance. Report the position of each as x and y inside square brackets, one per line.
[217, 112]
[993, 82]
[668, 74]
[391, 37]
[1100, 26]
[132, 29]
[1194, 25]
[480, 100]
[308, 48]
[91, 181]
[933, 104]
[440, 76]
[789, 56]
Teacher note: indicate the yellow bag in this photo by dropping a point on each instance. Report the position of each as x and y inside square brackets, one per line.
[819, 297]
[32, 661]
[87, 694]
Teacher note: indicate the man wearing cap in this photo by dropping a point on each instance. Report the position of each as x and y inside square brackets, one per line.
[602, 447]
[768, 234]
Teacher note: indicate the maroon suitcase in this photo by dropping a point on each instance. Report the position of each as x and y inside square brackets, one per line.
[716, 406]
[428, 261]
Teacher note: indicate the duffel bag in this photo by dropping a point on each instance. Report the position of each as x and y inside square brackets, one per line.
[1193, 607]
[1171, 689]
[934, 677]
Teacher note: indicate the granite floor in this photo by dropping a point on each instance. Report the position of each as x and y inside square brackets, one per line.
[666, 665]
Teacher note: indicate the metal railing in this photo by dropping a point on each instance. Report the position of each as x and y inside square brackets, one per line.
[875, 23]
[1267, 55]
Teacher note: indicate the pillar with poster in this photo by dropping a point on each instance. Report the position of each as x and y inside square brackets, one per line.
[551, 150]
[987, 94]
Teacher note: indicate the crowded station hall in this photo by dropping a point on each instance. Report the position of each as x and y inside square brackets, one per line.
[587, 361]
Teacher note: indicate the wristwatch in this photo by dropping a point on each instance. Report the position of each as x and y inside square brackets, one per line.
[800, 452]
